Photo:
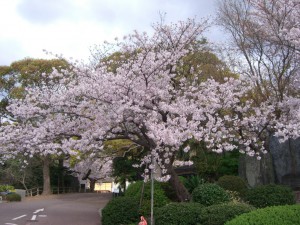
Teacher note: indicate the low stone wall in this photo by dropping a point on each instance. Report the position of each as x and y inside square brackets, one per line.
[21, 192]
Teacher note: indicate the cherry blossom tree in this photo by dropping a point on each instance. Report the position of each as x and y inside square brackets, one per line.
[21, 74]
[144, 99]
[27, 73]
[93, 169]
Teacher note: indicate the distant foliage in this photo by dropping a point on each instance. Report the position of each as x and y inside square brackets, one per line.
[275, 215]
[270, 195]
[178, 214]
[120, 210]
[233, 183]
[221, 213]
[229, 163]
[210, 194]
[6, 188]
[192, 182]
[210, 165]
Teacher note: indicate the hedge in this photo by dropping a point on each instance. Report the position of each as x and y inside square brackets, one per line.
[273, 215]
[221, 213]
[270, 195]
[120, 210]
[13, 197]
[210, 194]
[233, 183]
[178, 214]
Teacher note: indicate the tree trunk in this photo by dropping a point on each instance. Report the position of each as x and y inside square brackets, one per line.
[23, 181]
[182, 193]
[92, 185]
[124, 185]
[46, 176]
[61, 181]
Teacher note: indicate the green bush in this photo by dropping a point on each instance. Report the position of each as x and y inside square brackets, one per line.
[192, 182]
[160, 199]
[6, 188]
[178, 214]
[182, 179]
[120, 210]
[221, 213]
[233, 183]
[134, 189]
[274, 215]
[210, 194]
[270, 195]
[13, 197]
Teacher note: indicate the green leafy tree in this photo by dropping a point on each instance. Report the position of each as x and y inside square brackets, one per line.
[210, 165]
[205, 64]
[24, 73]
[123, 169]
[22, 172]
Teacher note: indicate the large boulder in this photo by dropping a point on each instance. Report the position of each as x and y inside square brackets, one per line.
[286, 160]
[257, 172]
[281, 165]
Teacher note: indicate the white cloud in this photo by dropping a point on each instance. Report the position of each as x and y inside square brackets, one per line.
[46, 11]
[70, 27]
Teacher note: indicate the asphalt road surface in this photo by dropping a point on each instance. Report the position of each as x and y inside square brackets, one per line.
[67, 209]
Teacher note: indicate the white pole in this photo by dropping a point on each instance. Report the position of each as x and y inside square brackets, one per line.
[152, 192]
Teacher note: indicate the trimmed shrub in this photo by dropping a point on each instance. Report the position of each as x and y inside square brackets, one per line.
[160, 199]
[120, 210]
[210, 194]
[178, 214]
[13, 197]
[233, 183]
[135, 190]
[270, 195]
[221, 213]
[274, 215]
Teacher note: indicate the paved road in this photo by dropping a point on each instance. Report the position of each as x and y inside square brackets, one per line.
[68, 209]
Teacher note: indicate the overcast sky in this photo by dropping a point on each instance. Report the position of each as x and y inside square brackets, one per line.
[71, 27]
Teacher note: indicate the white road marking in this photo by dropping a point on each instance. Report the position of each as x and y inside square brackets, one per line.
[39, 210]
[19, 217]
[10, 224]
[42, 215]
[33, 217]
